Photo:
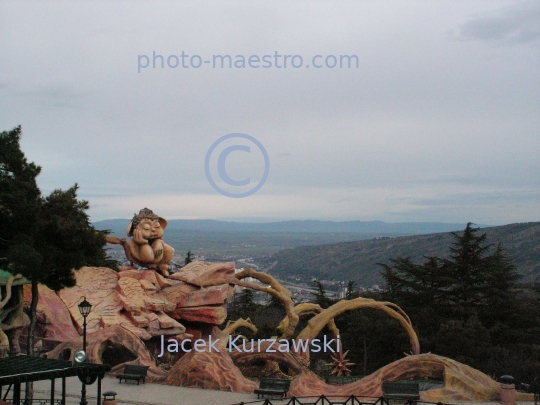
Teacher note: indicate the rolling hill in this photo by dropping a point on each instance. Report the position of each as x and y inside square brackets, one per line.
[305, 226]
[358, 260]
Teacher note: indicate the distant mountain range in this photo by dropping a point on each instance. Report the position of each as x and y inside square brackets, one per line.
[308, 226]
[358, 260]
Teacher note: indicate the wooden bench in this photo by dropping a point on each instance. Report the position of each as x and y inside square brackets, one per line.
[133, 373]
[273, 386]
[401, 390]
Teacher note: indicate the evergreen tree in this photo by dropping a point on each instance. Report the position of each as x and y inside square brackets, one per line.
[20, 197]
[351, 291]
[320, 296]
[501, 280]
[189, 258]
[416, 285]
[245, 304]
[469, 281]
[465, 341]
[468, 267]
[43, 239]
[274, 302]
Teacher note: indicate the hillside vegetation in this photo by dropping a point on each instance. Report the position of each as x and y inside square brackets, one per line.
[358, 260]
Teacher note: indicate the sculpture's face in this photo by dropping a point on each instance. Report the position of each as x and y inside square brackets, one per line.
[150, 229]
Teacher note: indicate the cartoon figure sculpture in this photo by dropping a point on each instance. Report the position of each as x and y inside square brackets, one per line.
[147, 248]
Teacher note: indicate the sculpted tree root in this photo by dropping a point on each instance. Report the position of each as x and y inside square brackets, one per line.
[323, 317]
[287, 358]
[217, 370]
[318, 322]
[4, 341]
[12, 317]
[231, 327]
[97, 343]
[276, 290]
[304, 309]
[461, 382]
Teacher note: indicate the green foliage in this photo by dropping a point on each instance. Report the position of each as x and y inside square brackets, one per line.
[42, 238]
[351, 291]
[321, 368]
[463, 341]
[468, 306]
[470, 280]
[265, 317]
[20, 198]
[417, 284]
[372, 336]
[245, 303]
[319, 296]
[189, 258]
[274, 302]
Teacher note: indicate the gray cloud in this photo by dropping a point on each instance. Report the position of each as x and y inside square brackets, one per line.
[519, 23]
[423, 116]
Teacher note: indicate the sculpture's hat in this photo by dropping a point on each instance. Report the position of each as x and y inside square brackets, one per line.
[144, 213]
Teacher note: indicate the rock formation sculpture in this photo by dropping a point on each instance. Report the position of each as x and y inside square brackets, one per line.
[116, 336]
[132, 307]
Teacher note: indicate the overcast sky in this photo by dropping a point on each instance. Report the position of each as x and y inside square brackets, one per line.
[440, 121]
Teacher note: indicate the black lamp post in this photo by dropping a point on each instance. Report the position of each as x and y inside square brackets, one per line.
[84, 308]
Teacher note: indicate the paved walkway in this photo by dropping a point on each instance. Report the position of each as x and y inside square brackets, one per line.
[144, 394]
[158, 394]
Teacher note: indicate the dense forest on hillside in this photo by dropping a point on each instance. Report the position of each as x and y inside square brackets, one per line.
[358, 260]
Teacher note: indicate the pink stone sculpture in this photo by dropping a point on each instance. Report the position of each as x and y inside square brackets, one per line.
[53, 318]
[141, 302]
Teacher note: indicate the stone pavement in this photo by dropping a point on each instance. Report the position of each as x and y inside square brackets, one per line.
[144, 394]
[158, 394]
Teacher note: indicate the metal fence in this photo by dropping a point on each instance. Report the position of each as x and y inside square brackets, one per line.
[336, 400]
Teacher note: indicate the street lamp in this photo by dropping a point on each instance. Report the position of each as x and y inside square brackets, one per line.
[84, 308]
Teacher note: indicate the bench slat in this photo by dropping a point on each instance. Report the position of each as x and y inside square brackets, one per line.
[273, 386]
[401, 389]
[132, 372]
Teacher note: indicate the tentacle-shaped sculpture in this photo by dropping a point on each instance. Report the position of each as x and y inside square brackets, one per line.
[231, 326]
[4, 340]
[277, 290]
[9, 283]
[304, 309]
[317, 323]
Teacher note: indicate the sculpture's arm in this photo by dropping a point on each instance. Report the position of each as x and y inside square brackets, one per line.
[138, 237]
[117, 241]
[157, 247]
